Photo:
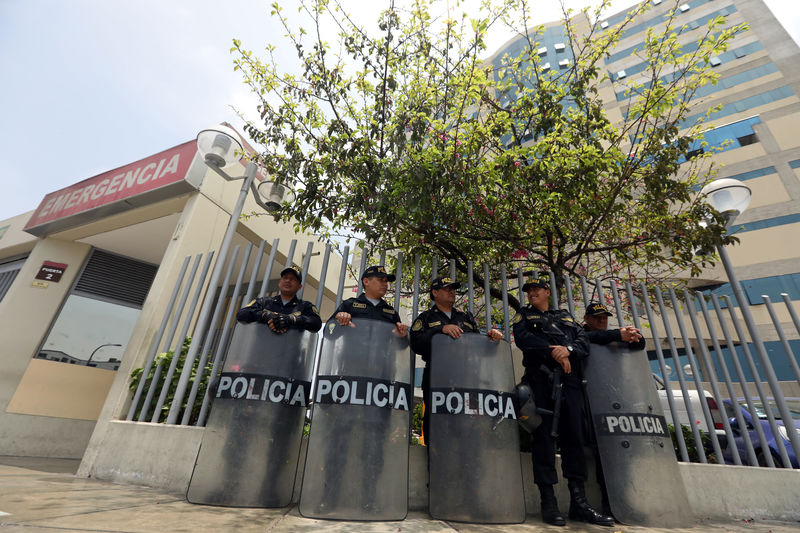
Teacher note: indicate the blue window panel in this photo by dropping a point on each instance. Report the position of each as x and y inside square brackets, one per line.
[772, 286]
[730, 132]
[743, 105]
[769, 223]
[795, 163]
[776, 354]
[642, 26]
[683, 360]
[418, 377]
[727, 358]
[724, 83]
[757, 173]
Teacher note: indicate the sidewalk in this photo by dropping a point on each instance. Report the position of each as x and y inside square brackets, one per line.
[43, 495]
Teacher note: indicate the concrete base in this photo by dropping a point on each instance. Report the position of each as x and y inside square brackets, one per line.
[163, 456]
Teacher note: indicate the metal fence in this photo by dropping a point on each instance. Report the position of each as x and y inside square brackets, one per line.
[695, 326]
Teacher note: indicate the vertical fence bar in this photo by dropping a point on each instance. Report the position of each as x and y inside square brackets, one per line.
[383, 258]
[304, 268]
[487, 296]
[504, 281]
[290, 255]
[728, 385]
[568, 293]
[183, 380]
[268, 270]
[434, 267]
[251, 286]
[663, 367]
[617, 306]
[712, 380]
[157, 339]
[679, 371]
[453, 269]
[751, 454]
[415, 298]
[555, 298]
[695, 374]
[585, 292]
[398, 292]
[168, 340]
[220, 352]
[470, 289]
[761, 351]
[791, 310]
[520, 283]
[342, 273]
[632, 304]
[323, 274]
[784, 342]
[761, 393]
[362, 267]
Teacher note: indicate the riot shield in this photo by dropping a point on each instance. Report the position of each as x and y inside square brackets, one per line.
[473, 446]
[641, 472]
[250, 448]
[357, 459]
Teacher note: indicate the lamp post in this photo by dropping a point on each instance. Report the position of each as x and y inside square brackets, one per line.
[95, 351]
[731, 197]
[221, 147]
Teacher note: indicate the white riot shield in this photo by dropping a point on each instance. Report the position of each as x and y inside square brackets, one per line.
[357, 460]
[251, 444]
[473, 446]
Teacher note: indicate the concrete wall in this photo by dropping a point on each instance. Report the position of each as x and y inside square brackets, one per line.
[163, 456]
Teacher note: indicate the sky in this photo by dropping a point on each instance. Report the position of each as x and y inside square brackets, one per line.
[91, 85]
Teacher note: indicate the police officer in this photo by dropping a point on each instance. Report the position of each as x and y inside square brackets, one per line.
[595, 322]
[283, 311]
[552, 347]
[441, 318]
[370, 303]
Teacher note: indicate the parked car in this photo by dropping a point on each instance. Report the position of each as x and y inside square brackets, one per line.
[695, 399]
[760, 417]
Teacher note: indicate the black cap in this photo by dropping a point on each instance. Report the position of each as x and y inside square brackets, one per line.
[378, 271]
[542, 280]
[293, 270]
[443, 281]
[596, 308]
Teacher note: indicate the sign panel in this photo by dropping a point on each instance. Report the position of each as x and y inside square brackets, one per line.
[50, 271]
[134, 179]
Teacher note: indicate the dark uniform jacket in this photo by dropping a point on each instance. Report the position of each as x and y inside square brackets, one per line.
[535, 331]
[431, 322]
[305, 313]
[362, 308]
[612, 335]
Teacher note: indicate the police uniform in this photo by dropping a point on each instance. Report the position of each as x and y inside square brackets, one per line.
[360, 307]
[428, 324]
[304, 314]
[534, 332]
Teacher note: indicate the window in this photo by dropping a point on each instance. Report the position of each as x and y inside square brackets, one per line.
[694, 153]
[621, 74]
[563, 63]
[656, 2]
[8, 273]
[98, 317]
[542, 51]
[715, 62]
[684, 8]
[546, 66]
[747, 139]
[559, 47]
[604, 24]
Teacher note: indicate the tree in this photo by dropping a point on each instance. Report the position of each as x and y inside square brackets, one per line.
[411, 139]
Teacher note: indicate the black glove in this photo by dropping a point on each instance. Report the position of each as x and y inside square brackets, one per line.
[281, 321]
[266, 315]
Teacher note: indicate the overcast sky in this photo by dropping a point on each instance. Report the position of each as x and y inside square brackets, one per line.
[91, 85]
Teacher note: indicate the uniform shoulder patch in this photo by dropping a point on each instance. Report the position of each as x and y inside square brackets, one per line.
[434, 324]
[417, 325]
[314, 308]
[251, 303]
[359, 305]
[388, 310]
[517, 318]
[567, 319]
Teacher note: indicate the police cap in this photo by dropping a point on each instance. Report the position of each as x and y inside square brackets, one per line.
[542, 280]
[596, 309]
[378, 271]
[293, 270]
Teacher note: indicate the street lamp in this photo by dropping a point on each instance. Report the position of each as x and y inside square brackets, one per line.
[220, 147]
[95, 351]
[731, 197]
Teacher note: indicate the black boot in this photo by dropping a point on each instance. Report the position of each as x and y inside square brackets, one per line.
[579, 508]
[550, 513]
